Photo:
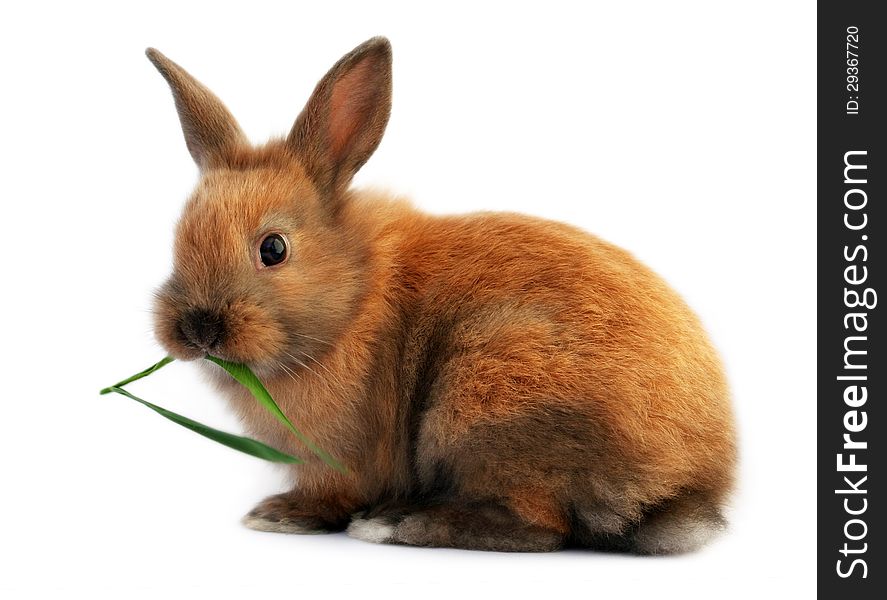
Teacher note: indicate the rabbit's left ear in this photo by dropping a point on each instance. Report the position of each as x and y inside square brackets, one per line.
[210, 130]
[343, 122]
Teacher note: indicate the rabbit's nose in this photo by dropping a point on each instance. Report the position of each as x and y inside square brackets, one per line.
[203, 329]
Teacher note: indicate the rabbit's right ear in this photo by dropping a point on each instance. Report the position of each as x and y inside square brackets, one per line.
[343, 122]
[210, 129]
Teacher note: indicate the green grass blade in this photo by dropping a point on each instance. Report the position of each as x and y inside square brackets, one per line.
[248, 379]
[138, 376]
[243, 444]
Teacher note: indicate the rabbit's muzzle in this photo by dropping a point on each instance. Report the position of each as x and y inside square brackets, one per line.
[202, 329]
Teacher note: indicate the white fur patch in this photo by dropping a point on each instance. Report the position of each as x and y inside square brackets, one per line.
[375, 530]
[676, 536]
[262, 524]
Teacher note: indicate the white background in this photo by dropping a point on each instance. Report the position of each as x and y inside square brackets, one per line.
[684, 132]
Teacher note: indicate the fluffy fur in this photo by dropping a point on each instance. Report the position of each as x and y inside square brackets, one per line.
[491, 381]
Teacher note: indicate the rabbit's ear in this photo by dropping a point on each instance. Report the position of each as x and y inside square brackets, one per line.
[342, 124]
[210, 130]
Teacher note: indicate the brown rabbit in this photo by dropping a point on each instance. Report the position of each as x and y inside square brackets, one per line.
[491, 381]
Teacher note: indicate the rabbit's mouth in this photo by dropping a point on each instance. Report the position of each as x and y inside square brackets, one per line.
[192, 321]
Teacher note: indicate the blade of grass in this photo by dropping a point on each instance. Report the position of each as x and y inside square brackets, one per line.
[140, 375]
[248, 379]
[243, 444]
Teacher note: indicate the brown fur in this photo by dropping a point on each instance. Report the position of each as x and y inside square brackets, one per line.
[477, 374]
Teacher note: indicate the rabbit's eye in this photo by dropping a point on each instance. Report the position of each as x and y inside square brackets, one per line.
[273, 250]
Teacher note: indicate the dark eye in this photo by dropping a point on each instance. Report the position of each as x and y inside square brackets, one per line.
[273, 250]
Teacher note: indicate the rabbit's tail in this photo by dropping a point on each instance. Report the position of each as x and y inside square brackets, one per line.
[681, 524]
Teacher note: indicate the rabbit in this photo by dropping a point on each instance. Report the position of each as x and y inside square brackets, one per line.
[490, 381]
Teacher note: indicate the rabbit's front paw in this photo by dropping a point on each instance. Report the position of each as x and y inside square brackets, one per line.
[292, 513]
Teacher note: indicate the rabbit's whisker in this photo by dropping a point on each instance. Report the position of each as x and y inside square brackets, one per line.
[292, 374]
[301, 364]
[308, 337]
